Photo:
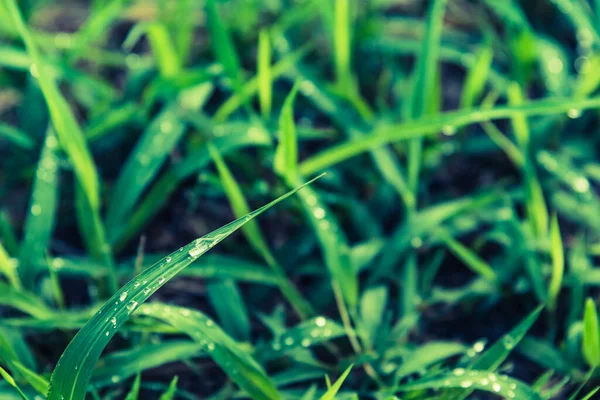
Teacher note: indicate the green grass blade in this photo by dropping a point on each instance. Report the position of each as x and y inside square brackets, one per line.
[234, 361]
[24, 301]
[265, 75]
[391, 133]
[493, 357]
[144, 162]
[591, 335]
[8, 378]
[227, 301]
[332, 391]
[85, 349]
[469, 258]
[342, 43]
[286, 153]
[558, 263]
[16, 136]
[428, 354]
[255, 236]
[69, 134]
[306, 334]
[222, 45]
[7, 234]
[164, 50]
[135, 388]
[169, 394]
[500, 385]
[477, 77]
[121, 365]
[42, 212]
[8, 269]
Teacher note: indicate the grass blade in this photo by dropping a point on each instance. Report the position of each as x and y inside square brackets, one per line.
[8, 378]
[332, 391]
[144, 162]
[558, 263]
[255, 236]
[591, 335]
[169, 394]
[265, 89]
[72, 374]
[234, 361]
[391, 133]
[42, 212]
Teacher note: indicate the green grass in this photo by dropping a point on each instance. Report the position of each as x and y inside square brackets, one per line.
[448, 250]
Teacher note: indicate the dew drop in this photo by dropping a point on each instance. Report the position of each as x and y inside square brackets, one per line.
[466, 384]
[319, 213]
[306, 342]
[320, 321]
[496, 387]
[484, 382]
[449, 130]
[132, 305]
[276, 346]
[574, 113]
[168, 259]
[113, 321]
[289, 341]
[508, 342]
[581, 185]
[161, 280]
[459, 371]
[210, 346]
[123, 296]
[136, 285]
[36, 209]
[209, 322]
[114, 379]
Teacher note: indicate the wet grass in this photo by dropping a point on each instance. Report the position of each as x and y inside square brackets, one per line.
[447, 252]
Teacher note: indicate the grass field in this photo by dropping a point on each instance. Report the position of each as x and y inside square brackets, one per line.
[414, 182]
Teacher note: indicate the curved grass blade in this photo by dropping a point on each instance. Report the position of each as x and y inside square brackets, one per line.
[500, 385]
[469, 258]
[308, 333]
[23, 301]
[42, 212]
[428, 354]
[265, 89]
[74, 369]
[135, 388]
[118, 366]
[163, 49]
[72, 141]
[142, 165]
[390, 133]
[332, 391]
[227, 301]
[234, 361]
[7, 268]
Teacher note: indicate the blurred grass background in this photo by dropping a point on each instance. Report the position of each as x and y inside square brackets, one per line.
[451, 244]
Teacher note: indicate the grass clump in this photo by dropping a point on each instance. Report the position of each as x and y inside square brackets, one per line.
[447, 251]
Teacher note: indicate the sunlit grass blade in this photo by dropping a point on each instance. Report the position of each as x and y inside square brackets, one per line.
[135, 388]
[15, 136]
[470, 258]
[69, 134]
[24, 301]
[255, 236]
[165, 53]
[169, 394]
[70, 137]
[391, 133]
[265, 89]
[85, 349]
[8, 269]
[332, 391]
[144, 162]
[342, 43]
[234, 361]
[590, 345]
[427, 354]
[308, 333]
[42, 212]
[475, 380]
[8, 378]
[285, 162]
[558, 263]
[477, 77]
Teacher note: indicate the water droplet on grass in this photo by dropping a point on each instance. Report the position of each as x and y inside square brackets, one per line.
[496, 387]
[123, 296]
[320, 321]
[36, 209]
